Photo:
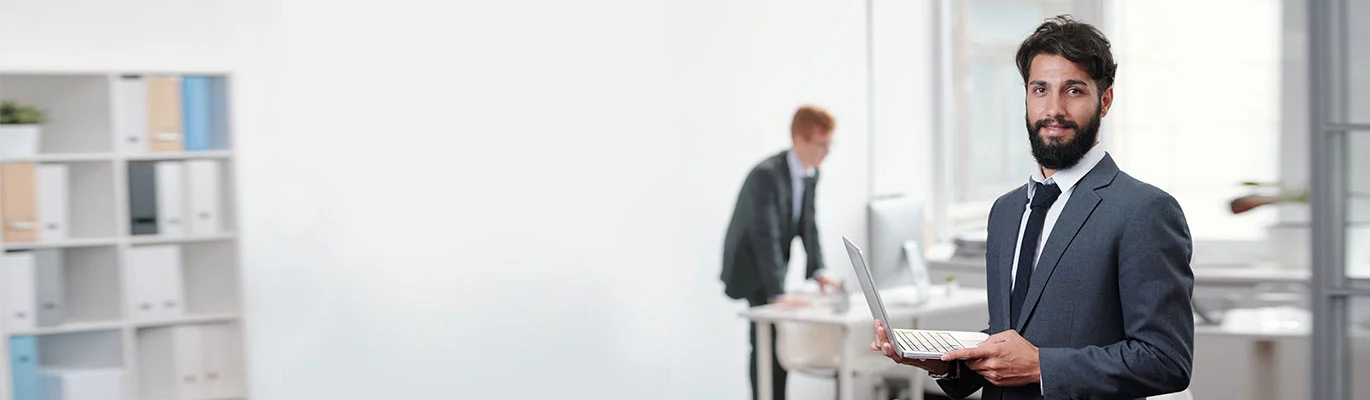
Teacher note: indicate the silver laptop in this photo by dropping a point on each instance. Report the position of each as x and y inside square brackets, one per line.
[909, 343]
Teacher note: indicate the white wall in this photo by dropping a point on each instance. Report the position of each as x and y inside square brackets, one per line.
[1185, 128]
[905, 116]
[94, 35]
[1294, 123]
[527, 200]
[493, 172]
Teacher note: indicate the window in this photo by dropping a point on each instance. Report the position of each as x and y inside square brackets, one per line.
[983, 137]
[1197, 133]
[1176, 123]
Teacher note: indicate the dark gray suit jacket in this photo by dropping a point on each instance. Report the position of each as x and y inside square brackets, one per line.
[756, 250]
[1108, 305]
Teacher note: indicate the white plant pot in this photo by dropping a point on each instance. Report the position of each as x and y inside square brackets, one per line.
[19, 140]
[1291, 247]
[1290, 244]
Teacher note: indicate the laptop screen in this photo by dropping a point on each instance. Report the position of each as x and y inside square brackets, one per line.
[863, 275]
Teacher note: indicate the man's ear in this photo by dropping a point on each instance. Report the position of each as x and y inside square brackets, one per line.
[1105, 102]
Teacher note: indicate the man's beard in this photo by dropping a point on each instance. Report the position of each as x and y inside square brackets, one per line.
[1063, 155]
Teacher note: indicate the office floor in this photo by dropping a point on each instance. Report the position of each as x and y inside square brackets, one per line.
[804, 387]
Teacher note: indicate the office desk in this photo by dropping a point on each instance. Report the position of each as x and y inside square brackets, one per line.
[1255, 273]
[856, 321]
[1265, 364]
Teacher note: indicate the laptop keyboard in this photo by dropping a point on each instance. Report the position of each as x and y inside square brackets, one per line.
[928, 342]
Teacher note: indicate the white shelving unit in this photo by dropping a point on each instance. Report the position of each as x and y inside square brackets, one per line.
[163, 308]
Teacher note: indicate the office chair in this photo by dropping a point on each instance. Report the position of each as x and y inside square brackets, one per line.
[816, 350]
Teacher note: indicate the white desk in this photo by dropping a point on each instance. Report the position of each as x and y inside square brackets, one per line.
[1244, 275]
[856, 321]
[1264, 364]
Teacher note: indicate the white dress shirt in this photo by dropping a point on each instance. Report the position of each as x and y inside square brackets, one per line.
[797, 174]
[1066, 180]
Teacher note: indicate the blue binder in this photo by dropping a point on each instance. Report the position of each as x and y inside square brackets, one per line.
[195, 113]
[218, 112]
[28, 384]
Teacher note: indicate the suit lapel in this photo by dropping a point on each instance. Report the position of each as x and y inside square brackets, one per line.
[1082, 203]
[1009, 229]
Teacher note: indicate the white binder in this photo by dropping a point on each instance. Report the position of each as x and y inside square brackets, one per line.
[20, 284]
[188, 345]
[130, 114]
[156, 292]
[203, 184]
[53, 202]
[51, 306]
[83, 383]
[223, 369]
[171, 362]
[171, 198]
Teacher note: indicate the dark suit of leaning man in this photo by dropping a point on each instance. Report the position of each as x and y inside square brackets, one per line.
[776, 205]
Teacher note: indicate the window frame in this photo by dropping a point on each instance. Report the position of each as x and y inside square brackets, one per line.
[953, 60]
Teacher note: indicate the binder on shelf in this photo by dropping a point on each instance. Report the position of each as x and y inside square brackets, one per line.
[35, 293]
[53, 201]
[21, 282]
[164, 113]
[171, 363]
[218, 112]
[171, 198]
[203, 185]
[142, 198]
[195, 108]
[51, 295]
[188, 353]
[83, 383]
[223, 366]
[24, 374]
[131, 114]
[18, 202]
[156, 291]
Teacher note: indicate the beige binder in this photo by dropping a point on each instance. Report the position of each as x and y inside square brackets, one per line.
[19, 212]
[164, 113]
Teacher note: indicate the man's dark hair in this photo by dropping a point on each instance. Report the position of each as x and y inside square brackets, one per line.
[1077, 41]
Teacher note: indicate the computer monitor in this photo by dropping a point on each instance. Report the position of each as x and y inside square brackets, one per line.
[894, 220]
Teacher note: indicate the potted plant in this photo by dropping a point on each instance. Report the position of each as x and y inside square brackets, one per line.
[1248, 202]
[1290, 241]
[19, 128]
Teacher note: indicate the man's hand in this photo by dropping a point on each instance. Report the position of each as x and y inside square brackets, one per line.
[884, 346]
[825, 282]
[1005, 359]
[791, 301]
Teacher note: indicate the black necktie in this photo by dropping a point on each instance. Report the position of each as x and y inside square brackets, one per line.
[1027, 253]
[810, 183]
